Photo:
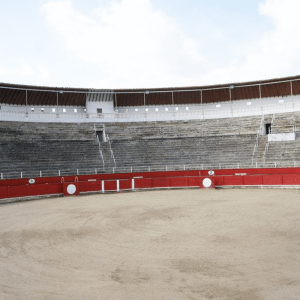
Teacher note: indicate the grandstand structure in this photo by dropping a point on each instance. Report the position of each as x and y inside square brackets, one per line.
[48, 132]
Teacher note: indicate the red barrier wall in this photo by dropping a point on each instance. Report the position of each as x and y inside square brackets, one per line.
[178, 182]
[233, 180]
[125, 184]
[291, 179]
[253, 180]
[272, 179]
[54, 185]
[143, 183]
[110, 185]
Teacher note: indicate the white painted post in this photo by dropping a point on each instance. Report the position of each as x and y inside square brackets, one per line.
[256, 165]
[238, 166]
[77, 172]
[118, 185]
[40, 173]
[148, 169]
[102, 186]
[58, 172]
[275, 164]
[21, 174]
[113, 169]
[132, 184]
[131, 169]
[184, 167]
[95, 171]
[166, 168]
[1, 175]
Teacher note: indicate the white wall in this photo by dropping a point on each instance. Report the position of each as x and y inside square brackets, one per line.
[38, 109]
[279, 137]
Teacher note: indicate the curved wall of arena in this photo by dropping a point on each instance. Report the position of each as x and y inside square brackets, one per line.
[235, 99]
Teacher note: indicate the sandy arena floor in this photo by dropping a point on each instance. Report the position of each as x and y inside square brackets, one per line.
[168, 245]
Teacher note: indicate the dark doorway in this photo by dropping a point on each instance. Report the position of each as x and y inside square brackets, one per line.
[100, 136]
[268, 128]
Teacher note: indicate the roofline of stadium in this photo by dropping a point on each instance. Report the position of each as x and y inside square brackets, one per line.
[143, 90]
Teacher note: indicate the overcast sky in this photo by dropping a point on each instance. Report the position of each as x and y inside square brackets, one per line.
[147, 43]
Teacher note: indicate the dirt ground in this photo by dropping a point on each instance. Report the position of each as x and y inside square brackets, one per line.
[168, 245]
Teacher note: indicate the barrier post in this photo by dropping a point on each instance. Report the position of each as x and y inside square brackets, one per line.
[77, 172]
[118, 185]
[58, 172]
[21, 174]
[131, 169]
[40, 173]
[275, 164]
[132, 183]
[184, 167]
[1, 175]
[166, 168]
[95, 171]
[102, 186]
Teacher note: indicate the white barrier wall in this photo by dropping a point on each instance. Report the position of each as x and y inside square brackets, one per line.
[208, 111]
[279, 137]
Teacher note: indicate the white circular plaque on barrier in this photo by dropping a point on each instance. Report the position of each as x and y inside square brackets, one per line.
[207, 182]
[71, 189]
[211, 172]
[31, 181]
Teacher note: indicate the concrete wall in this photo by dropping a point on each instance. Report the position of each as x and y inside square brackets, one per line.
[151, 113]
[46, 109]
[279, 137]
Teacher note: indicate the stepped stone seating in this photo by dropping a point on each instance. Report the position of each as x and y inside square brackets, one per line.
[47, 147]
[208, 142]
[285, 153]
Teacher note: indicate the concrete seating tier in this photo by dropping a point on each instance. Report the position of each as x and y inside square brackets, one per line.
[20, 131]
[182, 129]
[184, 151]
[48, 147]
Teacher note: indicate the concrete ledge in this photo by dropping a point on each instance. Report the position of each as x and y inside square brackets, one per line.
[30, 198]
[258, 187]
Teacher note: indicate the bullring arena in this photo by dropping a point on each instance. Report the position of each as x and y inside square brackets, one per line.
[184, 193]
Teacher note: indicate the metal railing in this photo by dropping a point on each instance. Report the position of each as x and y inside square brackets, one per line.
[138, 169]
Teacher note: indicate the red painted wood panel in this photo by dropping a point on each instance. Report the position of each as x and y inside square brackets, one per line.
[142, 183]
[125, 184]
[18, 191]
[272, 179]
[110, 185]
[178, 181]
[219, 180]
[291, 179]
[37, 189]
[233, 180]
[194, 181]
[91, 186]
[160, 182]
[253, 180]
[3, 192]
[55, 188]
